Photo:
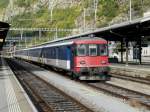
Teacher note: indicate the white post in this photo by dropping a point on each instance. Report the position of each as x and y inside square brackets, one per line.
[142, 8]
[56, 33]
[21, 38]
[51, 14]
[95, 17]
[51, 7]
[84, 19]
[130, 3]
[40, 34]
[25, 43]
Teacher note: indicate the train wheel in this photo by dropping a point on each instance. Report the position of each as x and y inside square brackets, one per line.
[74, 76]
[107, 76]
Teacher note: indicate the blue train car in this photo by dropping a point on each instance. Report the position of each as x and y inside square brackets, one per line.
[58, 55]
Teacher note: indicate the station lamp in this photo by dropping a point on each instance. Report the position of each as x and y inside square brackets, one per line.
[1, 40]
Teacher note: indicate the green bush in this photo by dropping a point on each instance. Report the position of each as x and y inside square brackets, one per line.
[24, 3]
[4, 3]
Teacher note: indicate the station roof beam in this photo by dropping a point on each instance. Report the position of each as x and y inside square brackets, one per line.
[4, 27]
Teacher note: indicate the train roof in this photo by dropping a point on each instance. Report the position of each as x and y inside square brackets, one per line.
[73, 39]
[68, 42]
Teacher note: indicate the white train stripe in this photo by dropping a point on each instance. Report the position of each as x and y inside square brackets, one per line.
[49, 45]
[59, 44]
[68, 64]
[65, 64]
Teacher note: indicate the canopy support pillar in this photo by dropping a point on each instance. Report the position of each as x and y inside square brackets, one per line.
[140, 50]
[121, 51]
[127, 51]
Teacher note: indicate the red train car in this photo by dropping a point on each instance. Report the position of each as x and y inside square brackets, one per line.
[90, 59]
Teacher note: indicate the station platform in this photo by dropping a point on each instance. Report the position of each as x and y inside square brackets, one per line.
[12, 96]
[131, 69]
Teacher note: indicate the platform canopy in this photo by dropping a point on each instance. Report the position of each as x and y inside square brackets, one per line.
[134, 30]
[131, 30]
[4, 27]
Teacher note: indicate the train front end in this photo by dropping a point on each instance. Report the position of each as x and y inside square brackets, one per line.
[91, 60]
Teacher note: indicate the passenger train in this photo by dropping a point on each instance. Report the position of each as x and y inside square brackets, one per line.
[84, 58]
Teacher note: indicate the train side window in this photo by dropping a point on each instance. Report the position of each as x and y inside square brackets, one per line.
[92, 50]
[103, 49]
[81, 50]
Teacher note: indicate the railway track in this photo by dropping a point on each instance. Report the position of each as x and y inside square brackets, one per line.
[131, 78]
[46, 97]
[132, 96]
[138, 98]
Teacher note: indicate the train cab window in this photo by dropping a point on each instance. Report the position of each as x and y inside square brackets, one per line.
[81, 50]
[103, 49]
[92, 50]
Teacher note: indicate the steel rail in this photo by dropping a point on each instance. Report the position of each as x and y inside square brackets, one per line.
[124, 93]
[131, 78]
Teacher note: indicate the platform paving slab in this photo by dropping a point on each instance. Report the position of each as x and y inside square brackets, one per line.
[131, 70]
[97, 101]
[12, 96]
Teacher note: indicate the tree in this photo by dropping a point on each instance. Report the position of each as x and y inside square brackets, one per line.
[24, 3]
[51, 6]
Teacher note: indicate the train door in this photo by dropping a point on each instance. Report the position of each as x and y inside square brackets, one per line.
[57, 61]
[41, 56]
[69, 57]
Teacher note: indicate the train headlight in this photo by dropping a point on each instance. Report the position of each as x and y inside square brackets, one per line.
[103, 62]
[82, 62]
